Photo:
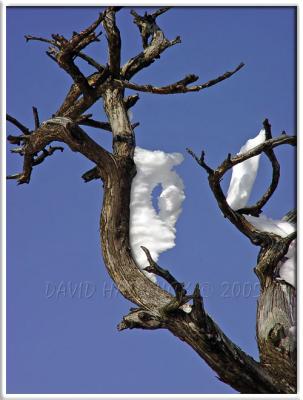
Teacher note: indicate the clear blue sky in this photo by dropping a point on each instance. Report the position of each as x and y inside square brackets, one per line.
[64, 343]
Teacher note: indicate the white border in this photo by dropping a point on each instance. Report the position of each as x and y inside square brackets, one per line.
[3, 203]
[3, 394]
[152, 3]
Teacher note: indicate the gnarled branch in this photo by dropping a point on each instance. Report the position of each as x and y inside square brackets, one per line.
[277, 301]
[215, 176]
[158, 44]
[62, 130]
[182, 85]
[63, 52]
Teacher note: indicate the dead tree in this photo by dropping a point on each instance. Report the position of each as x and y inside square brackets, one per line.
[156, 308]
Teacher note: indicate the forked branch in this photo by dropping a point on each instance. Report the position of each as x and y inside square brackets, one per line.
[215, 176]
[62, 130]
[56, 43]
[158, 43]
[274, 246]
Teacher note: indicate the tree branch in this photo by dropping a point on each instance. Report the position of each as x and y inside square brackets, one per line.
[182, 85]
[99, 67]
[46, 153]
[64, 58]
[71, 106]
[130, 101]
[256, 209]
[178, 287]
[199, 331]
[277, 303]
[91, 175]
[18, 124]
[270, 255]
[86, 120]
[30, 161]
[36, 118]
[291, 216]
[148, 29]
[159, 12]
[64, 51]
[99, 124]
[62, 130]
[215, 177]
[57, 44]
[114, 40]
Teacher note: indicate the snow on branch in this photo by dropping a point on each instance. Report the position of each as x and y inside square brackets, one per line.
[278, 237]
[244, 175]
[241, 185]
[149, 228]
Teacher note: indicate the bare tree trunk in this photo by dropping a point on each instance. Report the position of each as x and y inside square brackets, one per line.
[277, 345]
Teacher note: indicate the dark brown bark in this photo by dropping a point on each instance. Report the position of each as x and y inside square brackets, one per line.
[158, 309]
[182, 85]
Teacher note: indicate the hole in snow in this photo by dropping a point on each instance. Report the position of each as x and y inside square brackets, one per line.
[155, 195]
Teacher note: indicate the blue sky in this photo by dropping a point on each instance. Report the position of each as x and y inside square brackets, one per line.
[62, 309]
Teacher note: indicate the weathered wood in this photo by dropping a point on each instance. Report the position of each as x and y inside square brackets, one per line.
[277, 344]
[231, 364]
[276, 315]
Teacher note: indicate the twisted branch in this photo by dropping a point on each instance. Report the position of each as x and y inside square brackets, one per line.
[215, 176]
[274, 247]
